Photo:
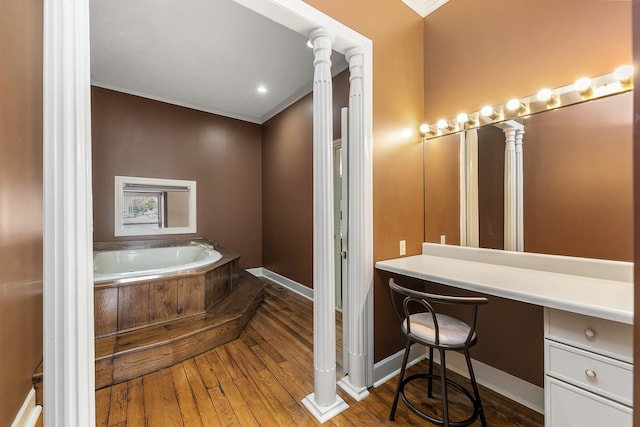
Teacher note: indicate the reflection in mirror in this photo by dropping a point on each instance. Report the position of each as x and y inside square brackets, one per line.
[150, 206]
[577, 175]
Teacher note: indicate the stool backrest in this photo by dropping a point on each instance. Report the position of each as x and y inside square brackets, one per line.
[425, 302]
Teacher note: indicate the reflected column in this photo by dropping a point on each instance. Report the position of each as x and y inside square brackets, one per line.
[519, 191]
[510, 189]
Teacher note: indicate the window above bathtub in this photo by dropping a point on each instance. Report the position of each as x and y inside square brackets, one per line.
[151, 206]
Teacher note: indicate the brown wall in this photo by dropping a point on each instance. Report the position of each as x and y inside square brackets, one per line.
[20, 201]
[287, 185]
[133, 136]
[477, 53]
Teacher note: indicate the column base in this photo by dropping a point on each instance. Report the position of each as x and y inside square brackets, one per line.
[324, 413]
[358, 393]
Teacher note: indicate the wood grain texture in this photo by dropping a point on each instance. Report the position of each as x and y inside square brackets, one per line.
[106, 311]
[261, 378]
[191, 295]
[163, 301]
[133, 306]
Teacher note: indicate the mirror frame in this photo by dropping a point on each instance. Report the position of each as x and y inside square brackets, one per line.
[120, 182]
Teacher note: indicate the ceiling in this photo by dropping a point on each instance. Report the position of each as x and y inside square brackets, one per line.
[210, 55]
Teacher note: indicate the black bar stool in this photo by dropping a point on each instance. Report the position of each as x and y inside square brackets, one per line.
[424, 325]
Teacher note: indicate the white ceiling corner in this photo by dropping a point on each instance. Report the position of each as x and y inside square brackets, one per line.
[424, 7]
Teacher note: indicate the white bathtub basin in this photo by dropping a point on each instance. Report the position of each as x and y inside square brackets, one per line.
[130, 263]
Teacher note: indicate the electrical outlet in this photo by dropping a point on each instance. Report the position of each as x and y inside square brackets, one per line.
[403, 247]
[443, 239]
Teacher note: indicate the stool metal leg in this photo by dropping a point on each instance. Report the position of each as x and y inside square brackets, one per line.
[444, 397]
[430, 383]
[392, 415]
[476, 392]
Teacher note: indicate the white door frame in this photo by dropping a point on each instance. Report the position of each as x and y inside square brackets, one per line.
[69, 391]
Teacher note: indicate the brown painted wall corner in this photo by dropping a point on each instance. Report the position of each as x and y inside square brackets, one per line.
[21, 206]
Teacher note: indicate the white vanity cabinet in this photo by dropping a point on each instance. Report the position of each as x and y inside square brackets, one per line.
[588, 370]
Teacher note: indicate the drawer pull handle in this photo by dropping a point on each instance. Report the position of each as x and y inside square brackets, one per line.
[590, 373]
[590, 333]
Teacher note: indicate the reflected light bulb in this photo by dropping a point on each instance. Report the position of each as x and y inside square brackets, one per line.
[462, 118]
[443, 124]
[424, 128]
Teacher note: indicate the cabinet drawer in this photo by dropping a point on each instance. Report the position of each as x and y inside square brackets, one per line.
[569, 406]
[602, 375]
[602, 336]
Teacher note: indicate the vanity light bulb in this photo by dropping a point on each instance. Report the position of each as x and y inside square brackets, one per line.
[487, 111]
[624, 74]
[544, 95]
[424, 129]
[583, 86]
[513, 104]
[443, 124]
[463, 118]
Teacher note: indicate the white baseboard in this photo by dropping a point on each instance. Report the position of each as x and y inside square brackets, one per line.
[29, 412]
[389, 367]
[514, 388]
[296, 287]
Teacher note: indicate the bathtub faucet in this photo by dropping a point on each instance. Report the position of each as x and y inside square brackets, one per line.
[207, 246]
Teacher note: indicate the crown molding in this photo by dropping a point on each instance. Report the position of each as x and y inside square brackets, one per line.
[424, 7]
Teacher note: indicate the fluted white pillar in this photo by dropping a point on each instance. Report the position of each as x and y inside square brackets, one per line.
[510, 189]
[519, 192]
[360, 278]
[324, 403]
[68, 353]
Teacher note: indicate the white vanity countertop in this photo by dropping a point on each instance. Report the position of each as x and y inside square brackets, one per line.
[488, 271]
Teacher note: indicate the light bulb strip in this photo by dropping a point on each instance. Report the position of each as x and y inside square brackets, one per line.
[601, 86]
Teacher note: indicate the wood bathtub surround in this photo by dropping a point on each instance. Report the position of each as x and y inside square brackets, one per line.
[122, 306]
[145, 325]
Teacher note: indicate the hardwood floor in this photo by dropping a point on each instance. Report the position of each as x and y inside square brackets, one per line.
[260, 380]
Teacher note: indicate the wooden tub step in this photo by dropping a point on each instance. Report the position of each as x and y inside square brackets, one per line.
[127, 355]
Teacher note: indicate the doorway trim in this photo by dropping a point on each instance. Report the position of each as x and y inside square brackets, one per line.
[69, 383]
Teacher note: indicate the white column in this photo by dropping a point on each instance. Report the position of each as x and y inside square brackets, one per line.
[323, 403]
[519, 192]
[359, 228]
[69, 362]
[510, 189]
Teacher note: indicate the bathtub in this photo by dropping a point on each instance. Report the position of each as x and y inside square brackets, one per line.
[136, 263]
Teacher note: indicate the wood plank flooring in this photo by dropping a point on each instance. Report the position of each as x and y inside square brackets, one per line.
[260, 380]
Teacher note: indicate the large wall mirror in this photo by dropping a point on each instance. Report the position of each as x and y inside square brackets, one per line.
[576, 181]
[151, 206]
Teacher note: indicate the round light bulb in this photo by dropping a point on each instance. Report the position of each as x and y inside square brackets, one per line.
[623, 72]
[262, 89]
[487, 111]
[582, 84]
[513, 104]
[442, 124]
[424, 128]
[463, 118]
[544, 95]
